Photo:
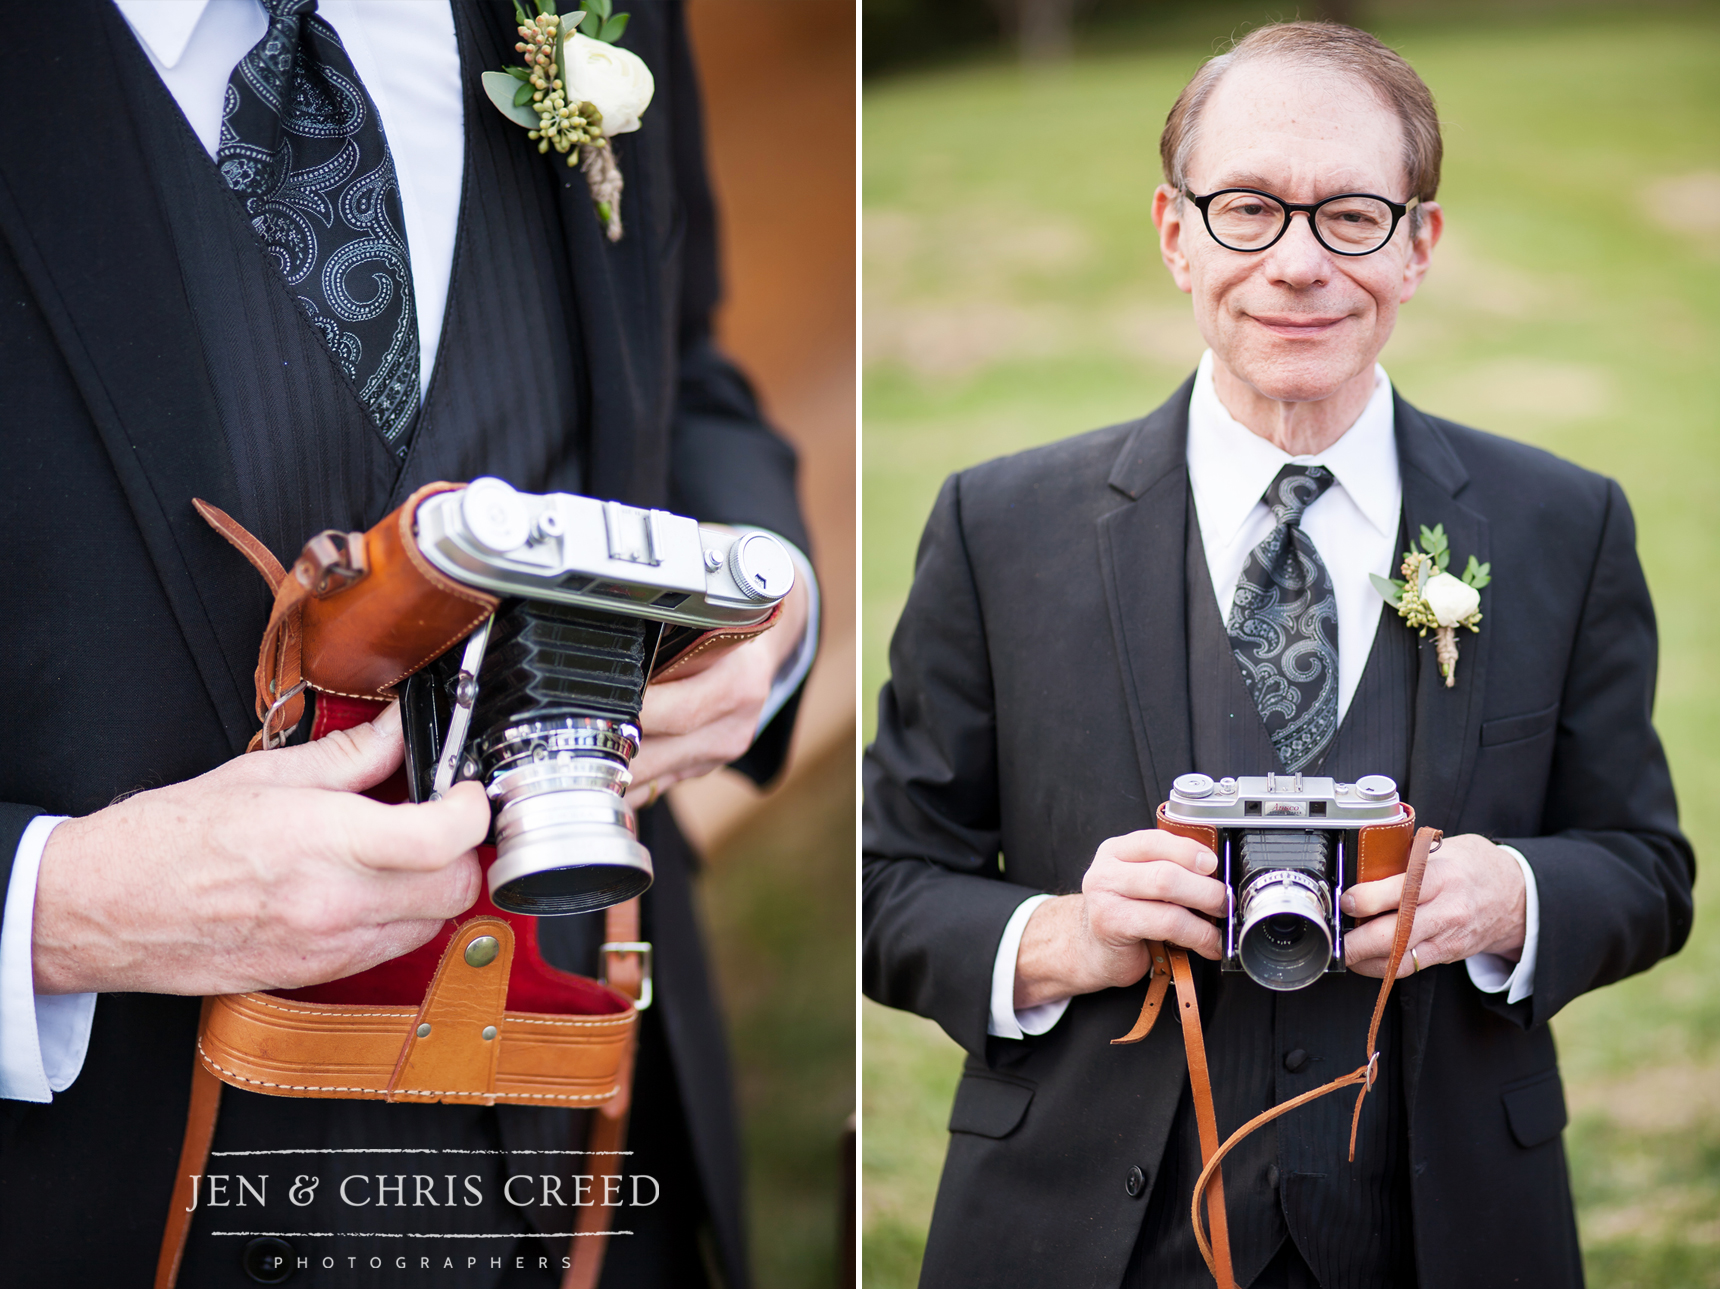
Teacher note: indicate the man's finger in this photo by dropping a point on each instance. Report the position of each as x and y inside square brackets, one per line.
[1170, 883]
[1167, 922]
[344, 761]
[388, 898]
[684, 706]
[1155, 843]
[408, 837]
[1370, 899]
[1372, 939]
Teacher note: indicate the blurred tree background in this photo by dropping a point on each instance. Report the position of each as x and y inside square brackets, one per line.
[1013, 294]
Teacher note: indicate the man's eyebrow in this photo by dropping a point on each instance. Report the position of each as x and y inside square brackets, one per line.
[1344, 181]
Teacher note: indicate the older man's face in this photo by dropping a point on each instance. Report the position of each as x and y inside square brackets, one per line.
[1294, 321]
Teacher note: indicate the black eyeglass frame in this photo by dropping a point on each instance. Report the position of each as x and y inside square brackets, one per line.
[1398, 210]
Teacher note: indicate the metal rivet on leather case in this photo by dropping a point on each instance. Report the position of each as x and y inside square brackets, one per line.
[482, 951]
[424, 1031]
[489, 1032]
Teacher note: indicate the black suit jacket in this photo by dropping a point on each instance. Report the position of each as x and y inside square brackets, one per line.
[131, 629]
[1038, 704]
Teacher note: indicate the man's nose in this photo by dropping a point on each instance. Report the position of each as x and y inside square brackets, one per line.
[1297, 259]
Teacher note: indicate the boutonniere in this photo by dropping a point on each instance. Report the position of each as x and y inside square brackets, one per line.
[576, 90]
[1430, 598]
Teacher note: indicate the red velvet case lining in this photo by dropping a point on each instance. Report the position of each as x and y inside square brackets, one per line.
[535, 985]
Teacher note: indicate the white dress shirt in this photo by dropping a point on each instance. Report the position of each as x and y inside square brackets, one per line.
[406, 53]
[1354, 526]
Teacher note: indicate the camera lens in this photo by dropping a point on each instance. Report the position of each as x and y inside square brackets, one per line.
[556, 723]
[1286, 942]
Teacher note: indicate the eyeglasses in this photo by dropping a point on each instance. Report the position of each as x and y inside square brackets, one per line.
[1352, 223]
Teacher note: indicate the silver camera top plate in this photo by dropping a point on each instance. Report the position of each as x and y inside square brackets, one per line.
[1284, 801]
[603, 555]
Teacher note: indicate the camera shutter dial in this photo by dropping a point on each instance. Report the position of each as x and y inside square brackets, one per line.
[761, 566]
[495, 516]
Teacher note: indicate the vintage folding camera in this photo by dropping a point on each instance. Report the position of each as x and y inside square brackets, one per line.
[541, 702]
[1288, 846]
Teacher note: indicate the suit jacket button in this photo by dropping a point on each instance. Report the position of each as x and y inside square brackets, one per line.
[1295, 1059]
[1135, 1183]
[268, 1260]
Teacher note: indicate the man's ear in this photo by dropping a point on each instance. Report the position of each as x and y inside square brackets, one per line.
[1420, 256]
[1169, 210]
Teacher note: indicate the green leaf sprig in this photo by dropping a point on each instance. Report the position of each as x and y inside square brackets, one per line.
[1418, 566]
[535, 95]
[600, 24]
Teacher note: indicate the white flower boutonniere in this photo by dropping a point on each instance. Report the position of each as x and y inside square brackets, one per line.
[1431, 598]
[576, 90]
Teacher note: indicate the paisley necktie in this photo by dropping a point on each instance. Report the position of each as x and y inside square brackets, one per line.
[302, 145]
[1284, 625]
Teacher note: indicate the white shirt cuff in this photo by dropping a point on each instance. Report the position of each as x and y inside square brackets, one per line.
[1006, 1021]
[43, 1038]
[1492, 974]
[795, 667]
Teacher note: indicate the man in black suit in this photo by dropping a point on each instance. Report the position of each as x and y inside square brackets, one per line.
[1190, 592]
[159, 342]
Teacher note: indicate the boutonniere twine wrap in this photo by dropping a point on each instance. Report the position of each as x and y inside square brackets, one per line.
[576, 90]
[1432, 599]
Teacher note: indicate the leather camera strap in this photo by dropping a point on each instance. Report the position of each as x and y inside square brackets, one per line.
[607, 1134]
[1216, 1250]
[279, 658]
[193, 1156]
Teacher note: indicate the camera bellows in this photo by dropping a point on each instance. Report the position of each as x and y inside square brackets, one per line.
[553, 659]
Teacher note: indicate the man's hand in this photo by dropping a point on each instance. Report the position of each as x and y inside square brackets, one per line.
[1147, 885]
[693, 724]
[269, 872]
[1472, 901]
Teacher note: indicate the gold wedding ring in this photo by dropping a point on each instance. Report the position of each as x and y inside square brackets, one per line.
[1415, 962]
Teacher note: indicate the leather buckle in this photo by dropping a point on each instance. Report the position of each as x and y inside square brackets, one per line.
[273, 740]
[331, 562]
[640, 947]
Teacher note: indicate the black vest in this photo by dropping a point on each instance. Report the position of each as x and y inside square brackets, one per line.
[1350, 1222]
[507, 397]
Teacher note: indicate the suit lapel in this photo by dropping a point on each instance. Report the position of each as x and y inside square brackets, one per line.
[107, 281]
[621, 289]
[1447, 721]
[1141, 556]
[1447, 735]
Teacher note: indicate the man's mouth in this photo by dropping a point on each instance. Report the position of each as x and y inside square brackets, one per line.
[1299, 326]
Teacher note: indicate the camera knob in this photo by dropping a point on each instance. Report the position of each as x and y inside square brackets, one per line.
[1375, 787]
[495, 516]
[1192, 786]
[761, 566]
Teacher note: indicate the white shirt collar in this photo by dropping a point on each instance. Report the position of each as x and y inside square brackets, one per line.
[164, 26]
[1230, 466]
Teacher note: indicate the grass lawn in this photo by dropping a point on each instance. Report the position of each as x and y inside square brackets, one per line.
[1013, 295]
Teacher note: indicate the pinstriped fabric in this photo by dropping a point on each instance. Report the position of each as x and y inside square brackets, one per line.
[508, 394]
[506, 398]
[304, 451]
[1349, 1223]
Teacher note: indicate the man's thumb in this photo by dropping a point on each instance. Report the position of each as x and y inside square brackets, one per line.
[345, 760]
